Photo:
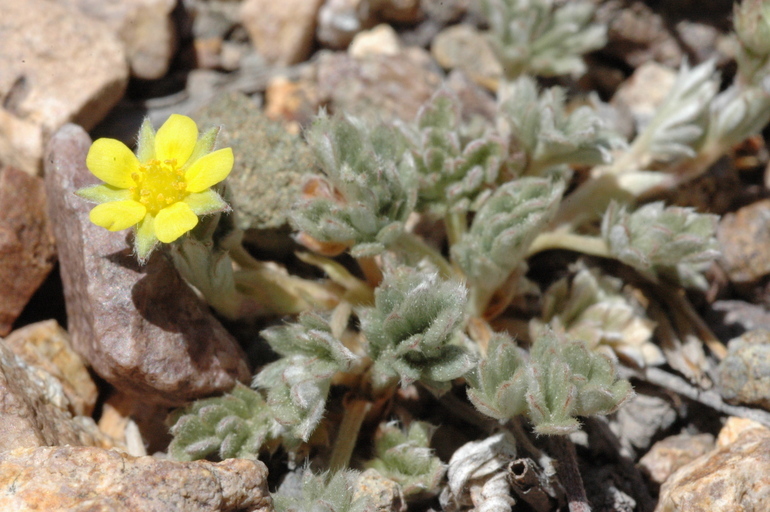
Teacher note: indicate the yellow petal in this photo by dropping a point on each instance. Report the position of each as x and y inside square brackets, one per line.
[174, 221]
[103, 193]
[112, 162]
[176, 139]
[118, 215]
[203, 203]
[209, 170]
[144, 238]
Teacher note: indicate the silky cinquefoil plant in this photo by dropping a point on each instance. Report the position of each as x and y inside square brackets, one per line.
[426, 230]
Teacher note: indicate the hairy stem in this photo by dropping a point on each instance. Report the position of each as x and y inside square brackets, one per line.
[413, 244]
[569, 474]
[347, 436]
[592, 245]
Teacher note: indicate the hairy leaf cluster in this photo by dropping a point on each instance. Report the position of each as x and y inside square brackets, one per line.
[406, 458]
[236, 424]
[672, 243]
[562, 380]
[298, 383]
[455, 172]
[504, 228]
[367, 191]
[539, 125]
[414, 329]
[542, 37]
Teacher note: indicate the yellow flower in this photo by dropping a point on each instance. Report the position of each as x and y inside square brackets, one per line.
[163, 189]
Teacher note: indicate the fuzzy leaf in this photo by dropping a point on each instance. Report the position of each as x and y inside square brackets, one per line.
[368, 191]
[675, 244]
[452, 170]
[499, 383]
[405, 457]
[412, 328]
[234, 425]
[541, 37]
[540, 125]
[298, 383]
[503, 229]
[320, 493]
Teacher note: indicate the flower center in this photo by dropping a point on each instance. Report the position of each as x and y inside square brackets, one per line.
[158, 185]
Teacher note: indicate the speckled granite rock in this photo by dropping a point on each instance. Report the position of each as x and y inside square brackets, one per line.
[143, 329]
[281, 31]
[744, 239]
[80, 479]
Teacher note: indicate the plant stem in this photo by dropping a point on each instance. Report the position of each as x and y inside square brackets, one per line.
[456, 225]
[412, 244]
[569, 474]
[371, 270]
[592, 245]
[347, 436]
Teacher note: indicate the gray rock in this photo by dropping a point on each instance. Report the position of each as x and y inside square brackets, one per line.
[87, 479]
[142, 329]
[744, 375]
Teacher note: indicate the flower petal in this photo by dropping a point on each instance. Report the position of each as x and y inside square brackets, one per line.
[112, 162]
[209, 170]
[203, 203]
[144, 238]
[176, 139]
[117, 215]
[174, 221]
[103, 193]
[204, 146]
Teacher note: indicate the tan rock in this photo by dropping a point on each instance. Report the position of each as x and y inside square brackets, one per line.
[34, 411]
[735, 477]
[48, 346]
[744, 237]
[142, 329]
[88, 479]
[58, 66]
[281, 31]
[381, 40]
[144, 26]
[644, 91]
[734, 428]
[27, 249]
[385, 87]
[465, 48]
[383, 494]
[671, 453]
